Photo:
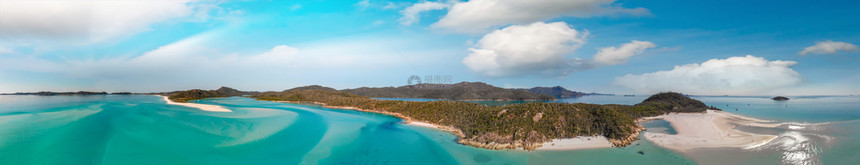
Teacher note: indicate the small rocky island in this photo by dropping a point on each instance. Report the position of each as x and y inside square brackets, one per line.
[780, 98]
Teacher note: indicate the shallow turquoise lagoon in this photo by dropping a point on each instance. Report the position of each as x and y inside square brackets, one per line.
[141, 129]
[815, 129]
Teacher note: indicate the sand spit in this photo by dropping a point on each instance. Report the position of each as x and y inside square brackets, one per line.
[204, 107]
[711, 129]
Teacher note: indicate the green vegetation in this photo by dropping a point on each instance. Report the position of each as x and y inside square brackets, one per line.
[194, 94]
[513, 126]
[674, 102]
[510, 126]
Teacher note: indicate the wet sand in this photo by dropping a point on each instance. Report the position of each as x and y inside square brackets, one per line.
[712, 129]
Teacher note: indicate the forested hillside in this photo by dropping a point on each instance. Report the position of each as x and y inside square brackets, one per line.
[184, 96]
[524, 126]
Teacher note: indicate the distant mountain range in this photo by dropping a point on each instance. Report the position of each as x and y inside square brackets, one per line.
[184, 96]
[464, 91]
[557, 92]
[315, 87]
[460, 91]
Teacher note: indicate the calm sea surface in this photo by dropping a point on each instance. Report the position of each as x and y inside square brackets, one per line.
[141, 129]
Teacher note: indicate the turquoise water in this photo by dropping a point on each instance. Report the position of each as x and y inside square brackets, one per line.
[145, 130]
[140, 129]
[659, 126]
[814, 130]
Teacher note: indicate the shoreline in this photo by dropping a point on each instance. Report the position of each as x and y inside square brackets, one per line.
[712, 129]
[204, 107]
[406, 120]
[577, 143]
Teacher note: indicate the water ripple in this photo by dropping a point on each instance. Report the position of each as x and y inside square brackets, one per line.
[798, 146]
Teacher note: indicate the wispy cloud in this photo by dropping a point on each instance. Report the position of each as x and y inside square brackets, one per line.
[479, 16]
[91, 21]
[828, 47]
[412, 13]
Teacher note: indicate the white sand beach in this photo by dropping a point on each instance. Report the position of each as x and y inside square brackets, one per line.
[435, 126]
[423, 124]
[578, 143]
[205, 107]
[708, 130]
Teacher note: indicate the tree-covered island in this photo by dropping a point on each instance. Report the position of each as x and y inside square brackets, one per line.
[516, 126]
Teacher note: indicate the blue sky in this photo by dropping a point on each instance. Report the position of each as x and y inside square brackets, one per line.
[624, 47]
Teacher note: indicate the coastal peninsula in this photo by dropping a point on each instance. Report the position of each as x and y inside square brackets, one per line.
[518, 126]
[528, 126]
[204, 107]
[182, 97]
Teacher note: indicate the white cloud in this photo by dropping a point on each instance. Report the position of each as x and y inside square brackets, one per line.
[747, 75]
[389, 6]
[412, 13]
[4, 50]
[828, 47]
[476, 16]
[613, 55]
[194, 63]
[281, 54]
[538, 48]
[90, 21]
[541, 49]
[845, 84]
[363, 4]
[367, 4]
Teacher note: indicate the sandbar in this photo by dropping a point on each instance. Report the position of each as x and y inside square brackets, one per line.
[204, 107]
[711, 129]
